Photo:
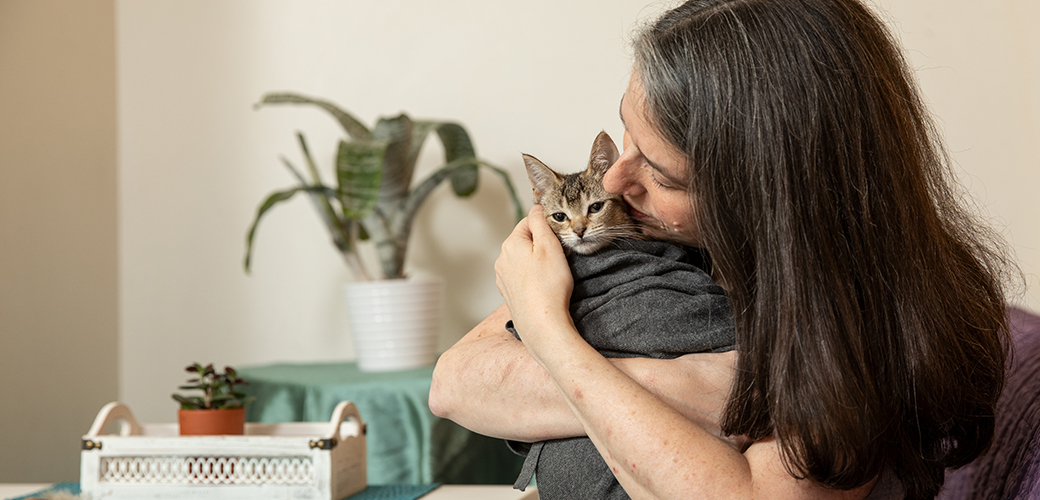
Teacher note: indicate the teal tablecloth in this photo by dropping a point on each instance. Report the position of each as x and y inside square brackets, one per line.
[407, 444]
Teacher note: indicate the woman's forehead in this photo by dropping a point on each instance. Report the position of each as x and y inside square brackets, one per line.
[633, 96]
[659, 153]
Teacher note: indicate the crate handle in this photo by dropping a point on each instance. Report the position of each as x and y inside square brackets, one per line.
[344, 410]
[114, 412]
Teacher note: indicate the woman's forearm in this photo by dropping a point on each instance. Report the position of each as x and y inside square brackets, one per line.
[489, 383]
[653, 450]
[657, 453]
[695, 385]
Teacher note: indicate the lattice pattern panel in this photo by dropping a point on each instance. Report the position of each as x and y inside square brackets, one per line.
[206, 470]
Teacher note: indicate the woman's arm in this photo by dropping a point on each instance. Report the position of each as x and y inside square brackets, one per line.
[654, 451]
[489, 383]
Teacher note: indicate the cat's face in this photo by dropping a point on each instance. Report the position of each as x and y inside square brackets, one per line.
[583, 215]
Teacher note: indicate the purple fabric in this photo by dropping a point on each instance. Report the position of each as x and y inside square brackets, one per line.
[1027, 487]
[1011, 468]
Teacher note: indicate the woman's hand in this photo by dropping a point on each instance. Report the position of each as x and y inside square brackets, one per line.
[533, 276]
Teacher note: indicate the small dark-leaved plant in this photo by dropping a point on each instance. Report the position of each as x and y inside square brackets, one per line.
[218, 389]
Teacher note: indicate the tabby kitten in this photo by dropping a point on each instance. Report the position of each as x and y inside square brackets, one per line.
[632, 298]
[584, 216]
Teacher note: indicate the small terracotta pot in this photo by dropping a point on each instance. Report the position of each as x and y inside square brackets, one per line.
[212, 422]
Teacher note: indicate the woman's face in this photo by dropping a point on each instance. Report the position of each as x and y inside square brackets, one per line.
[651, 175]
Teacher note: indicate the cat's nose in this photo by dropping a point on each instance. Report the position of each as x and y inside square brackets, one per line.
[580, 231]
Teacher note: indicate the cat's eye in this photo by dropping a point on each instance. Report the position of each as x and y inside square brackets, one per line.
[559, 216]
[595, 207]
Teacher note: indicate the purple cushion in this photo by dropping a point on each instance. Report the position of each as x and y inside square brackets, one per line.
[1011, 468]
[1027, 487]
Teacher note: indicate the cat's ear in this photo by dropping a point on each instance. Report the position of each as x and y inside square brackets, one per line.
[604, 154]
[542, 177]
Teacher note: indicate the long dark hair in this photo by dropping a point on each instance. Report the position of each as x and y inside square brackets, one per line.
[869, 304]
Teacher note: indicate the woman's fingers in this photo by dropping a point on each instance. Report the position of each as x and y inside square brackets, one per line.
[519, 241]
[542, 236]
[532, 231]
[521, 233]
[532, 271]
[539, 228]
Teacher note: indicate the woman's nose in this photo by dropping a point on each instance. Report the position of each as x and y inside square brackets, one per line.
[619, 179]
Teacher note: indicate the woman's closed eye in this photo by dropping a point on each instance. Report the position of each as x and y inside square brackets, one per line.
[658, 183]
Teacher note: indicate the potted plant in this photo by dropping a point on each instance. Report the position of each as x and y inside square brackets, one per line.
[371, 197]
[219, 410]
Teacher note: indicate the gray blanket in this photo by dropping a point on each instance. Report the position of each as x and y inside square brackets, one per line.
[633, 299]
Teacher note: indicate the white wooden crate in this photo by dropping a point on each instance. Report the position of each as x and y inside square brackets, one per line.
[296, 460]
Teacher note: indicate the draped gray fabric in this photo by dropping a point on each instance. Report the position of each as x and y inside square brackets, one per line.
[634, 299]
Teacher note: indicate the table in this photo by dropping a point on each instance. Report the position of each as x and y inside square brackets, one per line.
[407, 444]
[446, 492]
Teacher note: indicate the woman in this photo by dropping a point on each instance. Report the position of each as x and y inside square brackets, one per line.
[788, 139]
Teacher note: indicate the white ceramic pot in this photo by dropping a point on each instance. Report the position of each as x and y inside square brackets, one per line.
[394, 322]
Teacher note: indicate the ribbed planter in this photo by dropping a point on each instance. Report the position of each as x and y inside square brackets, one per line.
[394, 323]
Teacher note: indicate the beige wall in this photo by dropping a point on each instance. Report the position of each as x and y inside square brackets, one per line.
[57, 231]
[979, 66]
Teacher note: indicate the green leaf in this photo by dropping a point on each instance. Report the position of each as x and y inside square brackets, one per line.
[398, 165]
[272, 200]
[311, 166]
[351, 125]
[194, 403]
[393, 260]
[423, 190]
[457, 145]
[294, 171]
[359, 167]
[420, 129]
[389, 248]
[339, 230]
